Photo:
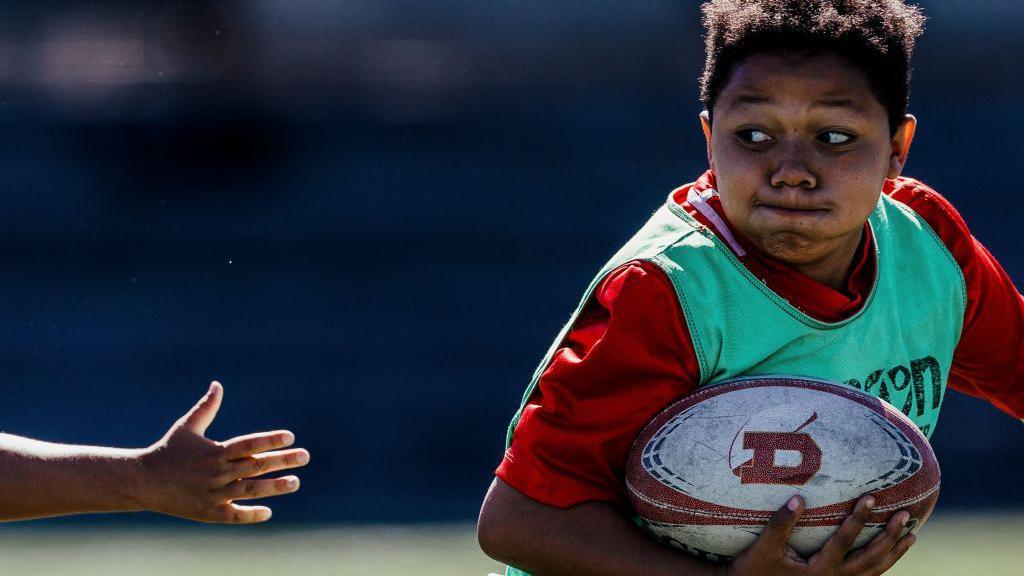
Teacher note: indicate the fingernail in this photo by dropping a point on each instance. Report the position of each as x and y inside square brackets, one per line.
[905, 520]
[869, 503]
[292, 483]
[793, 504]
[302, 457]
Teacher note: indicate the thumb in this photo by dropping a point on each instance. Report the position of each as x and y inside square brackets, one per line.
[199, 418]
[776, 533]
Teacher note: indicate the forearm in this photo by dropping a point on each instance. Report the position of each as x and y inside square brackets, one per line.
[43, 479]
[599, 541]
[591, 539]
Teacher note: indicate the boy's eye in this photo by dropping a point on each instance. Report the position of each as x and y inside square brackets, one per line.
[752, 136]
[835, 137]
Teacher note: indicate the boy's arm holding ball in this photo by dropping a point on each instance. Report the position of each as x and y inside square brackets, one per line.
[592, 538]
[183, 474]
[595, 539]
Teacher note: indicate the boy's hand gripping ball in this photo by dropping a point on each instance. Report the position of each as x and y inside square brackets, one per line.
[709, 471]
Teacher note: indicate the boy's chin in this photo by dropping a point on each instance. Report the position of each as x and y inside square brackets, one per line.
[794, 248]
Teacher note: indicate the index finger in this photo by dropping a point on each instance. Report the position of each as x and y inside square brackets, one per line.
[249, 444]
[832, 553]
[773, 538]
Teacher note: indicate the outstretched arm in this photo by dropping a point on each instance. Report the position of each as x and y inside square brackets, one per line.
[183, 474]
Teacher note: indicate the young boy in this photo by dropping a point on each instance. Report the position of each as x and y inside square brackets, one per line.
[183, 474]
[800, 251]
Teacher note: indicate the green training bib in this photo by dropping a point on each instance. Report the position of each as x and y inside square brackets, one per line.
[897, 347]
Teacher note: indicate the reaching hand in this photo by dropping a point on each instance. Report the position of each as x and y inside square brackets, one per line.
[188, 475]
[769, 555]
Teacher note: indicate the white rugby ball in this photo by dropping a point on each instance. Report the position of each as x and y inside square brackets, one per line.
[708, 472]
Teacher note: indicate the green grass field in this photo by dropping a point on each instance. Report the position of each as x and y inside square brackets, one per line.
[952, 545]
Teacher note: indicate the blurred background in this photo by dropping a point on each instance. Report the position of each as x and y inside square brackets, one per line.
[368, 219]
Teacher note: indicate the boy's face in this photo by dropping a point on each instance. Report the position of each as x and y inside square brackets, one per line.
[800, 148]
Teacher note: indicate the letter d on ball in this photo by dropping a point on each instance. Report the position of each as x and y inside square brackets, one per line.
[761, 469]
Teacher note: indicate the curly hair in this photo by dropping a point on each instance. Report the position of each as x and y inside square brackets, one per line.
[876, 36]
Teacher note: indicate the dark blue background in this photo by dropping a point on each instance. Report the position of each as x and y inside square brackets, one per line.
[369, 219]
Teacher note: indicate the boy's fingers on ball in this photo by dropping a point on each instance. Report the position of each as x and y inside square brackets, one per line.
[880, 555]
[895, 526]
[249, 444]
[264, 488]
[235, 514]
[793, 556]
[780, 525]
[884, 541]
[839, 544]
[266, 462]
[897, 552]
[903, 545]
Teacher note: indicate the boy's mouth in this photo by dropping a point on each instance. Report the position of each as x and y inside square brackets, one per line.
[791, 201]
[791, 209]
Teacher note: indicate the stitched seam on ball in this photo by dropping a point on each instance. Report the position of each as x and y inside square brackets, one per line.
[692, 510]
[905, 503]
[761, 516]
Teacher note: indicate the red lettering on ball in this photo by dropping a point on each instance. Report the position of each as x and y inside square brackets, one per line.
[761, 469]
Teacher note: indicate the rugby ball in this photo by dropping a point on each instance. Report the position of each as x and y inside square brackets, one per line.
[707, 472]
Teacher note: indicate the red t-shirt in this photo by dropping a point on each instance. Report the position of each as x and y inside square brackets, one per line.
[629, 354]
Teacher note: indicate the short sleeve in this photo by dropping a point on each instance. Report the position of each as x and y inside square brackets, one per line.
[628, 355]
[989, 359]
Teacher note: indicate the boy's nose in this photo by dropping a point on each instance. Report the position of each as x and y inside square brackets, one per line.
[793, 173]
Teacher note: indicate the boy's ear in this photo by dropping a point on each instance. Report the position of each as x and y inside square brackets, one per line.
[901, 142]
[705, 123]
